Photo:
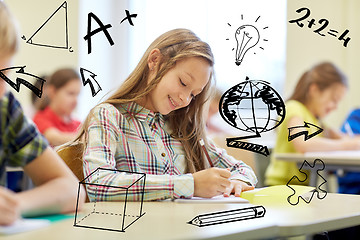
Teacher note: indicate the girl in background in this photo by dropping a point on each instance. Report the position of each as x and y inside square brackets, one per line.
[153, 124]
[317, 93]
[54, 118]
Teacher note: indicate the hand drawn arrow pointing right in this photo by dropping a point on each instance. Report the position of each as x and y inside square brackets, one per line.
[306, 134]
[89, 78]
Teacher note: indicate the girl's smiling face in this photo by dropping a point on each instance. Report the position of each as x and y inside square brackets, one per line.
[179, 85]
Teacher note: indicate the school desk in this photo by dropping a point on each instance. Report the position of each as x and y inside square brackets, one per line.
[335, 160]
[168, 220]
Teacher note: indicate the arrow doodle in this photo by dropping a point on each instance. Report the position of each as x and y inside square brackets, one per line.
[313, 192]
[306, 134]
[89, 78]
[20, 75]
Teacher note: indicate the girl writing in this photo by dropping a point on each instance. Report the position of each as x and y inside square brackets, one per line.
[153, 124]
[317, 93]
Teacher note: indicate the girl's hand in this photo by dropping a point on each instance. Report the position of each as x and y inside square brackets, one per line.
[211, 182]
[236, 187]
[9, 207]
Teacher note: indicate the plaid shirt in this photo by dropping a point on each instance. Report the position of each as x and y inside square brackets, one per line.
[131, 138]
[20, 141]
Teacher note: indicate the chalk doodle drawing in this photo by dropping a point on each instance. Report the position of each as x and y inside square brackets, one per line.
[247, 36]
[103, 28]
[24, 78]
[320, 193]
[322, 25]
[248, 106]
[209, 219]
[59, 35]
[308, 127]
[128, 17]
[88, 77]
[119, 219]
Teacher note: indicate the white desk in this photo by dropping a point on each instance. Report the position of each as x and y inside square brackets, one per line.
[346, 160]
[168, 220]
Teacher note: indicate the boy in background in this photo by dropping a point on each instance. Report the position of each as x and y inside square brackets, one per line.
[21, 145]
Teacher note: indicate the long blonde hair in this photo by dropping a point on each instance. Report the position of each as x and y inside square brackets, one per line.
[186, 124]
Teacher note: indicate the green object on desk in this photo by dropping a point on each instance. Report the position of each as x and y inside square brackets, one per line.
[274, 195]
[54, 218]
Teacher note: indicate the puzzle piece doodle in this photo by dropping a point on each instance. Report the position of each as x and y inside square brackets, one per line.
[319, 191]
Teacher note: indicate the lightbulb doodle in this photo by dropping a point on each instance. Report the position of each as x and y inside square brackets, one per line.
[247, 36]
[250, 106]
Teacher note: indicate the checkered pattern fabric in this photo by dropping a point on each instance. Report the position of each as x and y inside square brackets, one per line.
[20, 141]
[131, 138]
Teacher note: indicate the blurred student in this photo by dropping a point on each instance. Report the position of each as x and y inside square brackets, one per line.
[153, 124]
[23, 146]
[54, 118]
[317, 93]
[349, 182]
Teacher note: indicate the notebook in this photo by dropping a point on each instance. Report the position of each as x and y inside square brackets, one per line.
[23, 225]
[216, 199]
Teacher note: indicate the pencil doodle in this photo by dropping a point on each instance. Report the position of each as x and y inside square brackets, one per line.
[126, 214]
[247, 36]
[209, 219]
[248, 106]
[307, 129]
[23, 78]
[318, 191]
[60, 36]
[88, 77]
[323, 23]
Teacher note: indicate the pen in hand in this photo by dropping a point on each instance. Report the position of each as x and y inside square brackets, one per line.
[206, 152]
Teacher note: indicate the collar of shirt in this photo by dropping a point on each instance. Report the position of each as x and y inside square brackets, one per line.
[144, 114]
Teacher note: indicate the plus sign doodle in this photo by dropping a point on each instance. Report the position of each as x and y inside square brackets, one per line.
[128, 17]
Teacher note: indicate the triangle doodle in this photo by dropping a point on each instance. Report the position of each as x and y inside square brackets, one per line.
[54, 31]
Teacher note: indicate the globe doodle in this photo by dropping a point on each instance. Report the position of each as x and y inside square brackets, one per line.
[252, 106]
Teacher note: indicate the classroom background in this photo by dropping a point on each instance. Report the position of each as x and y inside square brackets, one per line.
[284, 51]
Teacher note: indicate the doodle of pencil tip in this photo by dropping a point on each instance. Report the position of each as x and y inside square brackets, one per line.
[53, 33]
[88, 77]
[308, 127]
[320, 193]
[247, 36]
[214, 218]
[249, 106]
[23, 78]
